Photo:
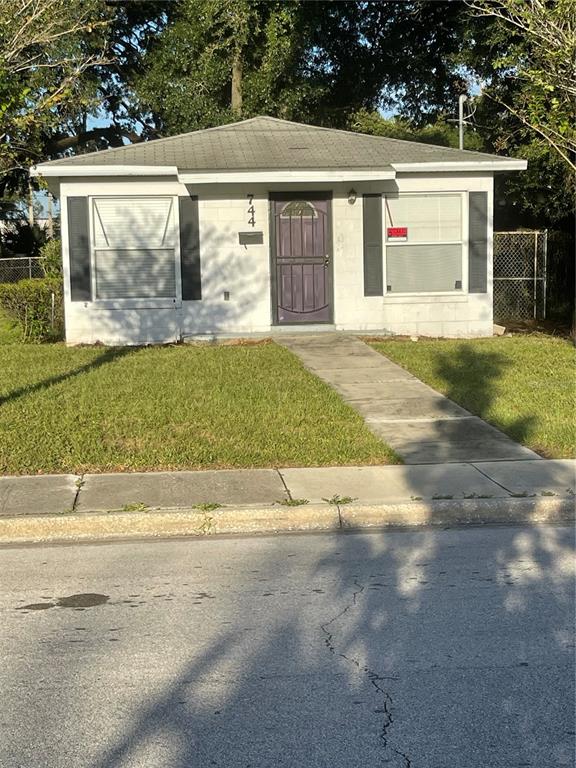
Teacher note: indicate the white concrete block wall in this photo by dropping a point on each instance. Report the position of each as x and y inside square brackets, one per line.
[244, 271]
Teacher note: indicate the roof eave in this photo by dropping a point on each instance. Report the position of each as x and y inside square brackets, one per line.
[277, 175]
[476, 166]
[216, 176]
[59, 171]
[287, 175]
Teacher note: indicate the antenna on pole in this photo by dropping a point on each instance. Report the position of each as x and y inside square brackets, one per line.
[461, 101]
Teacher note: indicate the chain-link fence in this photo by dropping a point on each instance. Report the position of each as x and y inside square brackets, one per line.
[520, 267]
[19, 268]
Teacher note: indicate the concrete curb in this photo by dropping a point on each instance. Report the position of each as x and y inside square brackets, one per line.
[166, 523]
[459, 512]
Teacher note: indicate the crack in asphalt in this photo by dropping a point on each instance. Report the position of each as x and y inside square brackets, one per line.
[374, 678]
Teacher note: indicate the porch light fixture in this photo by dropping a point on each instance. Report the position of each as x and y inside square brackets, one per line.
[352, 196]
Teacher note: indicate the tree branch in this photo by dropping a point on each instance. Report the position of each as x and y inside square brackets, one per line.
[112, 134]
[564, 150]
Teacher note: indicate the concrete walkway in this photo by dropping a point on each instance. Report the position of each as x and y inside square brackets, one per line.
[132, 492]
[420, 424]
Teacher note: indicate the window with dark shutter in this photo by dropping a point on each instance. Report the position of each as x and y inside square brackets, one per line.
[478, 242]
[79, 249]
[190, 249]
[372, 231]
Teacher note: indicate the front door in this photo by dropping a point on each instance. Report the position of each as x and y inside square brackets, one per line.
[301, 258]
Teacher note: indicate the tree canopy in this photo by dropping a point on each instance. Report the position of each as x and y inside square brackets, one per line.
[534, 71]
[47, 47]
[79, 75]
[216, 60]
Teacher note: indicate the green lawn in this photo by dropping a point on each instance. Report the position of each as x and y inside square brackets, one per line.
[91, 409]
[524, 385]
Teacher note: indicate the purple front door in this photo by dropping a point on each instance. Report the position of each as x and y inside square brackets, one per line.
[302, 260]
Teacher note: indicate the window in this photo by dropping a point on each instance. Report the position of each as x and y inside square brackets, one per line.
[300, 208]
[134, 241]
[423, 238]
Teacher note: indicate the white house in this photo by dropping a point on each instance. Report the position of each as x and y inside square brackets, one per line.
[262, 224]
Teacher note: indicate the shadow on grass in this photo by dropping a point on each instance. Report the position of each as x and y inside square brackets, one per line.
[109, 355]
[471, 377]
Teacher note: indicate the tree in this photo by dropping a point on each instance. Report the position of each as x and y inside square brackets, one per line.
[176, 65]
[133, 28]
[216, 60]
[46, 46]
[439, 132]
[534, 75]
[542, 195]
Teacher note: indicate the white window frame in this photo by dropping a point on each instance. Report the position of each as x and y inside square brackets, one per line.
[136, 303]
[463, 194]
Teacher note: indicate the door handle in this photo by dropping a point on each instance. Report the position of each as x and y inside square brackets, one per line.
[326, 260]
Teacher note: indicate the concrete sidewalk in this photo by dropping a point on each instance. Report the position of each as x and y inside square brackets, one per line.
[59, 494]
[420, 424]
[466, 484]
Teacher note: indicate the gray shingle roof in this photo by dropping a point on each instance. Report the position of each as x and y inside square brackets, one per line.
[266, 143]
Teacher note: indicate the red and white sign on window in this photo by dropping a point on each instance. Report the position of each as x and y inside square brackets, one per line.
[397, 233]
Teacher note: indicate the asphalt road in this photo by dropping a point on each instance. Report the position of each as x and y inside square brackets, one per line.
[427, 649]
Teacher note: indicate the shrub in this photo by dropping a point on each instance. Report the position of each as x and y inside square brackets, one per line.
[29, 303]
[51, 253]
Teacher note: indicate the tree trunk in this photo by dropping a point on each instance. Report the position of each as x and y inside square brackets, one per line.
[237, 83]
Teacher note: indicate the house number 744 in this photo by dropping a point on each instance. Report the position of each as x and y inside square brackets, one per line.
[251, 211]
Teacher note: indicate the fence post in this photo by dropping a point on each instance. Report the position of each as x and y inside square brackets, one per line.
[52, 310]
[30, 267]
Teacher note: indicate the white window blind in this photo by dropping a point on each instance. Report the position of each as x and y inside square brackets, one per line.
[429, 218]
[134, 247]
[424, 268]
[135, 273]
[124, 222]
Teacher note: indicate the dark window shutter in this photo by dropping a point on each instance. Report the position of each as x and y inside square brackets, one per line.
[372, 227]
[478, 242]
[79, 249]
[190, 249]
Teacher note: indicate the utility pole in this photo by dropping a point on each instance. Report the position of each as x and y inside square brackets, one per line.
[50, 217]
[461, 102]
